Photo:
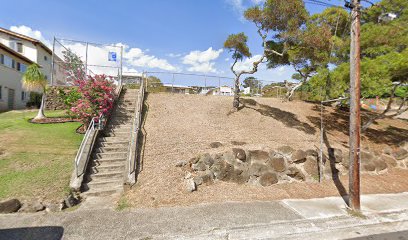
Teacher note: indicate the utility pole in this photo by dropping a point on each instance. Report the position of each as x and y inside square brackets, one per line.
[355, 120]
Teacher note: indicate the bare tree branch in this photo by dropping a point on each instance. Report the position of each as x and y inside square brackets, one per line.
[387, 109]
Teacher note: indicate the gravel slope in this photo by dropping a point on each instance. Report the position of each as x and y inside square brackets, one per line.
[179, 127]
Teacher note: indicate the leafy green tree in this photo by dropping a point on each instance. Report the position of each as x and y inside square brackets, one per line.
[34, 80]
[279, 18]
[314, 47]
[252, 83]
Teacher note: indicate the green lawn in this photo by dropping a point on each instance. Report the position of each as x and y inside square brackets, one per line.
[36, 160]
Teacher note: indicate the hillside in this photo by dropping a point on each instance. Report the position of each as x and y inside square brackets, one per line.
[179, 127]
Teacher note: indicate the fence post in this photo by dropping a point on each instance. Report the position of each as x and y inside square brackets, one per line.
[52, 62]
[172, 84]
[86, 59]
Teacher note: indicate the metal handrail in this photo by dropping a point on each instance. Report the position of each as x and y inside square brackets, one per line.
[101, 121]
[135, 132]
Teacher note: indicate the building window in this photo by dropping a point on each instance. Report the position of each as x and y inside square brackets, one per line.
[8, 61]
[21, 67]
[23, 95]
[45, 58]
[20, 47]
[1, 90]
[1, 59]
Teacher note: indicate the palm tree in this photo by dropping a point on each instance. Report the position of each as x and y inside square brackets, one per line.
[34, 80]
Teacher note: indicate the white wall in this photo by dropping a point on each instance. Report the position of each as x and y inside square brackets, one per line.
[10, 78]
[29, 49]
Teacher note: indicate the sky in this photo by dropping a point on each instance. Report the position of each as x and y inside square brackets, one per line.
[157, 35]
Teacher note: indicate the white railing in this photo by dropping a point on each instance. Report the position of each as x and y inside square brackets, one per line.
[133, 146]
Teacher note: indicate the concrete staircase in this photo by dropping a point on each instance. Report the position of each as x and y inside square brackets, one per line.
[106, 167]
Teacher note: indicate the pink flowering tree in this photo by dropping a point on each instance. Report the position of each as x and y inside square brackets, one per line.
[97, 96]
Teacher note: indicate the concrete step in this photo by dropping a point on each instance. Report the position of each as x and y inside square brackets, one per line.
[100, 161]
[108, 184]
[107, 168]
[101, 191]
[111, 149]
[120, 128]
[118, 175]
[110, 155]
[114, 139]
[112, 144]
[116, 134]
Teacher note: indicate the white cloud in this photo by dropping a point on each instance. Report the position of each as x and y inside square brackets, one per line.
[238, 7]
[201, 61]
[22, 29]
[174, 55]
[257, 2]
[227, 59]
[97, 55]
[247, 64]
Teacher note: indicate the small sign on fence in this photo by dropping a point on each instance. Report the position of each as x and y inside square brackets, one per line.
[112, 57]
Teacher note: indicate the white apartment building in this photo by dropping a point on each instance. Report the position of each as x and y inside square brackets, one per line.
[17, 52]
[12, 67]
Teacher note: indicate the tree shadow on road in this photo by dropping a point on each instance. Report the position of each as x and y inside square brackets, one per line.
[44, 233]
[287, 118]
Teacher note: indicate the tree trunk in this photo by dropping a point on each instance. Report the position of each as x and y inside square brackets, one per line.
[290, 93]
[235, 103]
[40, 114]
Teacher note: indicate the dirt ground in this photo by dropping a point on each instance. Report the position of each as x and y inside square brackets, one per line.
[179, 127]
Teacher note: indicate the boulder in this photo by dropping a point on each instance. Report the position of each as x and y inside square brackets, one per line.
[207, 177]
[198, 180]
[390, 161]
[295, 173]
[400, 153]
[190, 185]
[194, 160]
[53, 207]
[215, 144]
[239, 153]
[10, 206]
[199, 166]
[216, 168]
[330, 168]
[311, 166]
[229, 157]
[206, 159]
[346, 162]
[225, 171]
[380, 165]
[181, 163]
[257, 169]
[298, 156]
[259, 156]
[312, 152]
[32, 207]
[71, 200]
[387, 150]
[366, 157]
[278, 164]
[368, 166]
[286, 150]
[268, 179]
[335, 154]
[239, 176]
[238, 143]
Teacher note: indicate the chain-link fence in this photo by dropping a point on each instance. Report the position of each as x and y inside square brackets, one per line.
[190, 83]
[90, 58]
